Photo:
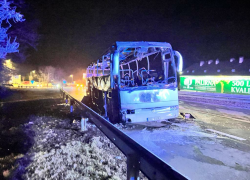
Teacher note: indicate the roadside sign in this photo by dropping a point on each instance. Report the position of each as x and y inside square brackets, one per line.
[218, 84]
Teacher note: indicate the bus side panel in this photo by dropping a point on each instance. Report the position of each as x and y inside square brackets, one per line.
[94, 98]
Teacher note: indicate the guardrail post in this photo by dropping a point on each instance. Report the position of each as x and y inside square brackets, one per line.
[71, 105]
[84, 123]
[67, 97]
[62, 94]
[133, 166]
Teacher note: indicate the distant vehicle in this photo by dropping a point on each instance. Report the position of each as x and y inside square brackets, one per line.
[135, 82]
[81, 83]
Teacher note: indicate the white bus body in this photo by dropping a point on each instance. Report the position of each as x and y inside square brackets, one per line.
[135, 82]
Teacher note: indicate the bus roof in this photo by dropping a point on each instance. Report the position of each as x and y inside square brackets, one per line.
[142, 44]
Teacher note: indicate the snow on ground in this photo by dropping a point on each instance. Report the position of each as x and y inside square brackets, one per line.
[205, 112]
[234, 113]
[244, 105]
[193, 152]
[216, 99]
[62, 151]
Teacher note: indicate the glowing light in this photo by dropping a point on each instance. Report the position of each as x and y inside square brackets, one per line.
[72, 77]
[32, 81]
[84, 75]
[64, 82]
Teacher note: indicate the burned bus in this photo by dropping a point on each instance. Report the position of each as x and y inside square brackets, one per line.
[135, 82]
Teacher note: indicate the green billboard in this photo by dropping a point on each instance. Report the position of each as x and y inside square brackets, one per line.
[218, 84]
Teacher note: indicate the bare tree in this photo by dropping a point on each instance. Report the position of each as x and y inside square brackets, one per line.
[59, 74]
[7, 13]
[47, 73]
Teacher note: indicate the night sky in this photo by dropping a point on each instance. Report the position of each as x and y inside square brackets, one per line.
[77, 32]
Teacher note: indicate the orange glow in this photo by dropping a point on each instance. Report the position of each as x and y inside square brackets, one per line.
[84, 75]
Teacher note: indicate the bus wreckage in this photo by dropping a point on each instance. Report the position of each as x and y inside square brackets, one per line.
[135, 82]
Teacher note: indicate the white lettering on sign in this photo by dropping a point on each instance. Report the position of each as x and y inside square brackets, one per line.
[205, 82]
[238, 83]
[232, 90]
[240, 90]
[248, 83]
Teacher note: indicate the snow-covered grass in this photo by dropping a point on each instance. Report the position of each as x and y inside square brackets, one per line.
[62, 151]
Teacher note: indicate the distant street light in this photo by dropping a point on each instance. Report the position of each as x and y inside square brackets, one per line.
[8, 63]
[32, 72]
[72, 77]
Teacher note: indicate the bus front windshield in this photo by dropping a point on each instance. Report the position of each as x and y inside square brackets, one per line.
[154, 68]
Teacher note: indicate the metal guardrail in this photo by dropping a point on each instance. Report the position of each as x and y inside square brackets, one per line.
[138, 158]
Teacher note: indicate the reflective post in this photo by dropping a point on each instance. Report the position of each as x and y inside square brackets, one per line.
[133, 166]
[83, 124]
[71, 105]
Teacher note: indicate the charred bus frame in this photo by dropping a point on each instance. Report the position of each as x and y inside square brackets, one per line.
[135, 82]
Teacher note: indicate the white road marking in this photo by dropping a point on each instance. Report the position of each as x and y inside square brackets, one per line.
[225, 134]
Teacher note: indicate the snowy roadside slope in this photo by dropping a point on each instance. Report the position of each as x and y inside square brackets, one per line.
[62, 151]
[195, 153]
